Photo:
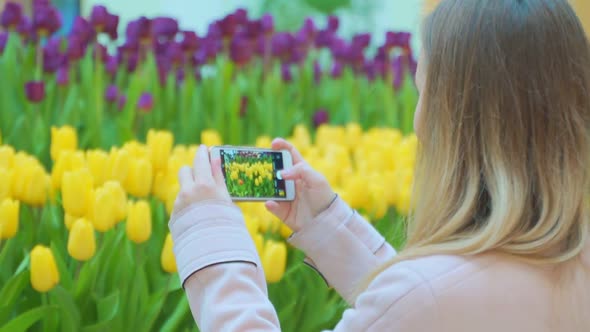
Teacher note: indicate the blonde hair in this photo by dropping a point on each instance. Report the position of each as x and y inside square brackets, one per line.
[504, 157]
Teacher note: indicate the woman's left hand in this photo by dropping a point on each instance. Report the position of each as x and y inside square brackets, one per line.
[204, 181]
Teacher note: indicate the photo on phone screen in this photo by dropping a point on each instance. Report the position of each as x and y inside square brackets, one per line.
[251, 173]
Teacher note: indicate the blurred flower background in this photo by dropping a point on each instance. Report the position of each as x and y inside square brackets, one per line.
[99, 111]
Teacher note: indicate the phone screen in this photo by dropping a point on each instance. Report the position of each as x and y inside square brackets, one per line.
[250, 173]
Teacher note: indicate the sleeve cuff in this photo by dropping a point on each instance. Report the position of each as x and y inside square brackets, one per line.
[209, 233]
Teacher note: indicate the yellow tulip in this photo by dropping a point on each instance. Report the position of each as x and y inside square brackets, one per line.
[118, 165]
[356, 188]
[139, 179]
[139, 222]
[30, 183]
[69, 220]
[77, 192]
[104, 214]
[5, 183]
[63, 139]
[259, 243]
[44, 273]
[82, 241]
[119, 198]
[404, 200]
[210, 137]
[172, 193]
[67, 161]
[8, 218]
[160, 145]
[137, 150]
[6, 156]
[97, 163]
[285, 231]
[167, 258]
[263, 142]
[252, 224]
[274, 260]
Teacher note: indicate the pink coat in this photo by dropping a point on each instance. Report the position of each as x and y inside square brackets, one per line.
[226, 288]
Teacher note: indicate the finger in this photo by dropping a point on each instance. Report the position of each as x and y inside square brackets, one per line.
[282, 144]
[217, 171]
[185, 177]
[202, 165]
[302, 171]
[279, 209]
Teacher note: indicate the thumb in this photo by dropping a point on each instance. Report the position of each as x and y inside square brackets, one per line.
[302, 171]
[279, 209]
[217, 172]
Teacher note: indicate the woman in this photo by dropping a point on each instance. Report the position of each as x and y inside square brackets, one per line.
[498, 240]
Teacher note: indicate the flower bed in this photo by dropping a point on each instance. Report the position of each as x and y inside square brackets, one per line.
[94, 133]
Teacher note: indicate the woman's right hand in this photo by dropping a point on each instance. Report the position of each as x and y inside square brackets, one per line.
[313, 193]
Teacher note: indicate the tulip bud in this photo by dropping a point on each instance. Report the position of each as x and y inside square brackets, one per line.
[139, 222]
[69, 220]
[104, 214]
[259, 243]
[77, 192]
[8, 218]
[30, 182]
[167, 259]
[274, 260]
[62, 139]
[118, 165]
[172, 193]
[97, 162]
[81, 241]
[285, 231]
[210, 137]
[139, 179]
[5, 183]
[44, 274]
[119, 198]
[66, 161]
[160, 144]
[252, 224]
[6, 156]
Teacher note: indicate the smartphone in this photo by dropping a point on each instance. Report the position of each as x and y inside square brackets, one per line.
[252, 174]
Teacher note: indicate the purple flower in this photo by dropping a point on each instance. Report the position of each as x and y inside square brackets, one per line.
[240, 50]
[100, 52]
[333, 24]
[111, 26]
[337, 70]
[324, 38]
[243, 106]
[163, 66]
[317, 72]
[35, 91]
[132, 61]
[121, 101]
[75, 50]
[398, 72]
[63, 76]
[281, 43]
[228, 25]
[98, 17]
[320, 117]
[25, 28]
[174, 54]
[267, 23]
[309, 28]
[3, 41]
[180, 75]
[370, 70]
[199, 58]
[164, 27]
[286, 74]
[46, 19]
[145, 102]
[139, 29]
[190, 41]
[111, 94]
[241, 16]
[361, 41]
[112, 65]
[52, 56]
[83, 30]
[398, 39]
[12, 15]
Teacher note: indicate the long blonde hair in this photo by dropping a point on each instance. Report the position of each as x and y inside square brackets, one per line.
[504, 157]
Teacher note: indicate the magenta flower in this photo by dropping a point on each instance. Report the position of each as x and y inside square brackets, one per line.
[324, 38]
[317, 72]
[63, 76]
[3, 41]
[337, 69]
[112, 65]
[98, 17]
[112, 26]
[83, 30]
[286, 74]
[35, 91]
[228, 25]
[52, 56]
[175, 54]
[46, 18]
[111, 94]
[240, 50]
[12, 15]
[139, 29]
[320, 117]
[164, 27]
[241, 16]
[333, 24]
[121, 102]
[25, 28]
[398, 39]
[75, 49]
[132, 62]
[145, 102]
[268, 25]
[361, 41]
[190, 41]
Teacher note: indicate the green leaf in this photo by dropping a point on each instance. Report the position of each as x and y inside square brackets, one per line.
[108, 306]
[28, 318]
[13, 288]
[70, 314]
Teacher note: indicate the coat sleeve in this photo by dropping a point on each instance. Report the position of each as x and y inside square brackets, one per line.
[343, 247]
